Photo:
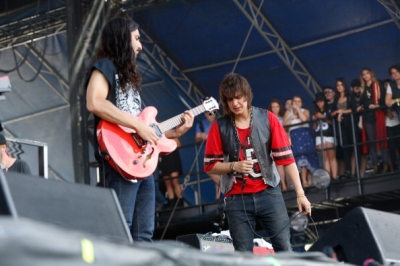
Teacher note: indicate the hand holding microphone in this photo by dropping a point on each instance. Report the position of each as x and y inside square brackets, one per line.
[245, 167]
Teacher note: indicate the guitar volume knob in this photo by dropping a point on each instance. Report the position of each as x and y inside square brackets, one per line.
[135, 161]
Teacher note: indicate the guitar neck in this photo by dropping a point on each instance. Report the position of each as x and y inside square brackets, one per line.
[177, 120]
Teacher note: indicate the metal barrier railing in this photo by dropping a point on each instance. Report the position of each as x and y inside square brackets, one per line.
[196, 167]
[338, 136]
[196, 171]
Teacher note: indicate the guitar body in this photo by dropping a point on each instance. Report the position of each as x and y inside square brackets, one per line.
[133, 158]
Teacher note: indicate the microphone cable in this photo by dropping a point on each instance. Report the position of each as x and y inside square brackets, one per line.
[284, 226]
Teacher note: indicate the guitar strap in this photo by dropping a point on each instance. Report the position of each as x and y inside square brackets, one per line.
[102, 182]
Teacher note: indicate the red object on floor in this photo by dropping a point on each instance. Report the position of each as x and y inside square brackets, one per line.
[257, 250]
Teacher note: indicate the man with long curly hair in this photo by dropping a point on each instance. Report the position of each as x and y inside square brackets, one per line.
[113, 95]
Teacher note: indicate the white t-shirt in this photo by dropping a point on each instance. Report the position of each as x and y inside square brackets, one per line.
[128, 101]
[395, 120]
[295, 121]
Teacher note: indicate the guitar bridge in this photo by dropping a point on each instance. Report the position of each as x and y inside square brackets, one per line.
[139, 141]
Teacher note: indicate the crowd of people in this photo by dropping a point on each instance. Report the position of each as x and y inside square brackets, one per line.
[350, 130]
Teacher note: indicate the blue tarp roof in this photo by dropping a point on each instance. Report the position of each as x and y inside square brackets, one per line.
[330, 38]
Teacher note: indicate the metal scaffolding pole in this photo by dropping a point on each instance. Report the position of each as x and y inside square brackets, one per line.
[171, 69]
[269, 33]
[393, 10]
[79, 38]
[79, 150]
[82, 41]
[46, 24]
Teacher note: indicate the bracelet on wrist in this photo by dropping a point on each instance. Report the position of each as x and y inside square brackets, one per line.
[231, 166]
[300, 195]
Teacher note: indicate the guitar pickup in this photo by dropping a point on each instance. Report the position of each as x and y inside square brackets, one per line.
[157, 130]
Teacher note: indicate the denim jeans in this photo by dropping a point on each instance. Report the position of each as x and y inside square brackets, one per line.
[137, 202]
[268, 207]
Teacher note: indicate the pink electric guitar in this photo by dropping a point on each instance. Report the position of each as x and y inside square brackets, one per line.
[129, 154]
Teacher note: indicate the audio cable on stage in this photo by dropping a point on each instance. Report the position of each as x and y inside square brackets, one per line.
[285, 225]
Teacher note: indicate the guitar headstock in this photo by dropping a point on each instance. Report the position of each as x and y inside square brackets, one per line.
[210, 104]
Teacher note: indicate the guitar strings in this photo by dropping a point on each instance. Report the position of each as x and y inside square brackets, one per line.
[177, 120]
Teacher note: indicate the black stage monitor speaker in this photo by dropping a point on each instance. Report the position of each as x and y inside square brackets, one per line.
[33, 243]
[80, 207]
[208, 243]
[363, 234]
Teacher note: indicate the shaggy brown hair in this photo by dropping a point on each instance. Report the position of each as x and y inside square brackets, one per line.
[234, 84]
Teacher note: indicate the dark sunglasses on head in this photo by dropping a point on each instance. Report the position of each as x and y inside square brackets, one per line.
[328, 91]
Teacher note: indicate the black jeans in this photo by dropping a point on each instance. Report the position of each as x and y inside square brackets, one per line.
[394, 144]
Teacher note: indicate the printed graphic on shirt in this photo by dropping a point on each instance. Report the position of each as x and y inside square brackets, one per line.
[128, 101]
[254, 182]
[324, 126]
[250, 155]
